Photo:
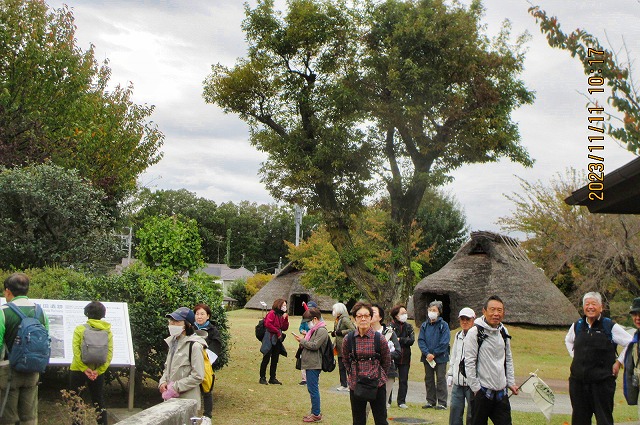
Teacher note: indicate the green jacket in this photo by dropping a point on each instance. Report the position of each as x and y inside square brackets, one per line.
[78, 335]
[9, 322]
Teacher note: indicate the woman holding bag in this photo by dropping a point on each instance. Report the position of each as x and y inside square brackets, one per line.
[367, 359]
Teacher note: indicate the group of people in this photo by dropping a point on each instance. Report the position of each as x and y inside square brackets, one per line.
[189, 330]
[371, 355]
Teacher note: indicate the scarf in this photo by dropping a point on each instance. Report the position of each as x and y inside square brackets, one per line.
[320, 324]
[202, 326]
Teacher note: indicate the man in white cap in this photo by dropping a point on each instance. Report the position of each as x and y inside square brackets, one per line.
[455, 378]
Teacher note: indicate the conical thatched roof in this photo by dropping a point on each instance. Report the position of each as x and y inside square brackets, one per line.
[287, 285]
[492, 264]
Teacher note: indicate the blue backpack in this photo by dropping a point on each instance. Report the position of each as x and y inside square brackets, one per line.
[32, 346]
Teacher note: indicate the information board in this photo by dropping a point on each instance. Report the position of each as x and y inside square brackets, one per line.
[65, 315]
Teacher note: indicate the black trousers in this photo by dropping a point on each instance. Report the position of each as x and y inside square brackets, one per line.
[483, 409]
[403, 382]
[343, 373]
[272, 355]
[207, 400]
[595, 398]
[378, 408]
[96, 390]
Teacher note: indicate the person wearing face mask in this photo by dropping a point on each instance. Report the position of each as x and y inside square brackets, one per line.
[406, 338]
[184, 367]
[433, 341]
[342, 326]
[312, 344]
[303, 329]
[275, 322]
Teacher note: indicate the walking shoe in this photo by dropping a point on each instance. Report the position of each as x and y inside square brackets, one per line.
[403, 406]
[441, 407]
[388, 405]
[274, 381]
[428, 406]
[263, 381]
[205, 421]
[302, 382]
[342, 389]
[312, 418]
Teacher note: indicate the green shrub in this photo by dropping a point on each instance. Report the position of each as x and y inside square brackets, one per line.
[151, 294]
[50, 282]
[238, 291]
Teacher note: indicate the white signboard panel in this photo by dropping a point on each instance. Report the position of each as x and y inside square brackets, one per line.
[64, 316]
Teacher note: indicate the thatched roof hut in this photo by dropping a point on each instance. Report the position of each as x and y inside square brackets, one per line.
[488, 264]
[287, 285]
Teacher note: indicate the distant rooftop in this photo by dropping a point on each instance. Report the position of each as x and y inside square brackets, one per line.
[227, 273]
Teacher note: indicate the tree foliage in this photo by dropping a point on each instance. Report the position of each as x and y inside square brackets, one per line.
[444, 229]
[344, 97]
[257, 230]
[172, 243]
[579, 251]
[51, 216]
[624, 125]
[136, 286]
[55, 105]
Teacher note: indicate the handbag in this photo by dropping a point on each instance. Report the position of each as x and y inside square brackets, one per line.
[366, 388]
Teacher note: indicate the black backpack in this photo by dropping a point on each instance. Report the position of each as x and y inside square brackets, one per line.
[482, 335]
[328, 359]
[260, 330]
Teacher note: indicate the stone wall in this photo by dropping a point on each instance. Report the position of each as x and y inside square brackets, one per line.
[176, 411]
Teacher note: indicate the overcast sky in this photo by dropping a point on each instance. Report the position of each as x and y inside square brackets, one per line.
[165, 48]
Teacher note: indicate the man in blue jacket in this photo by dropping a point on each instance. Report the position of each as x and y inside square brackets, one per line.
[434, 345]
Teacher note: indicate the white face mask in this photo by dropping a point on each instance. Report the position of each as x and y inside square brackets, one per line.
[403, 317]
[433, 315]
[334, 314]
[175, 330]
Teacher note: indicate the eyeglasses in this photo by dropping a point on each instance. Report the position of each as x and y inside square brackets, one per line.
[362, 316]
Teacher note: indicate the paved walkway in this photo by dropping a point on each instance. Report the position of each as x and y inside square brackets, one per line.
[522, 403]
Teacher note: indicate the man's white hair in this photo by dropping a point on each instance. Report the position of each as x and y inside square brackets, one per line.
[593, 295]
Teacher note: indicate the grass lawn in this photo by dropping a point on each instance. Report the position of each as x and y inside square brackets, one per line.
[240, 400]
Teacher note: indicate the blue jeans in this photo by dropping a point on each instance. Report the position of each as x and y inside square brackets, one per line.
[313, 379]
[458, 396]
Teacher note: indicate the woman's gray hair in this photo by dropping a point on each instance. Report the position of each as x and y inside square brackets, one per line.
[340, 309]
[436, 303]
[593, 295]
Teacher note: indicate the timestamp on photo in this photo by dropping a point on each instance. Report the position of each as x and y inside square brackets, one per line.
[596, 128]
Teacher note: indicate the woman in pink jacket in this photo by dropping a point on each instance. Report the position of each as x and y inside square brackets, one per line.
[276, 321]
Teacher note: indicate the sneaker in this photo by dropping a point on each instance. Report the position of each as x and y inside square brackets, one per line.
[205, 421]
[428, 406]
[312, 418]
[302, 383]
[342, 389]
[263, 381]
[441, 407]
[274, 381]
[388, 405]
[403, 406]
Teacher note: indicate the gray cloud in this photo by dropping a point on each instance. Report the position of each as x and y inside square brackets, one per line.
[166, 48]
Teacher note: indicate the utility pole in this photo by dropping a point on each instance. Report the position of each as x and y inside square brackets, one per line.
[298, 221]
[227, 259]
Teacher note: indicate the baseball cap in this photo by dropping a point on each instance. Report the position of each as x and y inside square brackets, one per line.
[467, 312]
[183, 314]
